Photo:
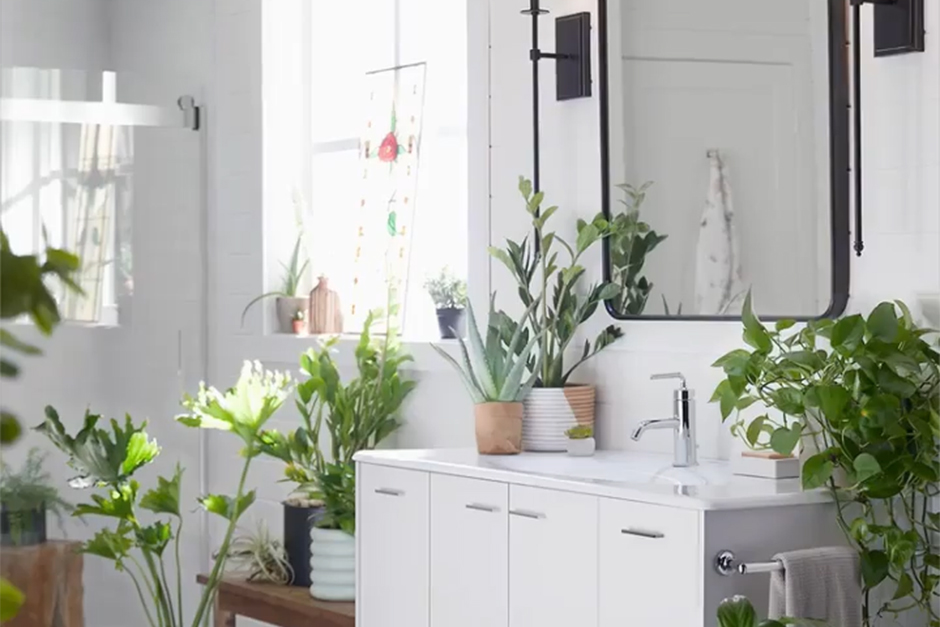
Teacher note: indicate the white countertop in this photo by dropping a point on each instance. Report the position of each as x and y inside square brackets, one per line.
[645, 477]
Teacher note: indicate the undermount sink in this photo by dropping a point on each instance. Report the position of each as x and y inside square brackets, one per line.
[612, 467]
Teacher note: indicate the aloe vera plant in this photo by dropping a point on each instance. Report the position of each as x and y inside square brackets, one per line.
[496, 371]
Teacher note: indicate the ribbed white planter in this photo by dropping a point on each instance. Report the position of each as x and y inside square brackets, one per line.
[333, 565]
[549, 412]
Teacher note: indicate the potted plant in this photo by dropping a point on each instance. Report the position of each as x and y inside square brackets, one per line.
[25, 498]
[299, 322]
[108, 460]
[287, 302]
[739, 612]
[450, 297]
[863, 395]
[358, 416]
[581, 441]
[555, 404]
[498, 380]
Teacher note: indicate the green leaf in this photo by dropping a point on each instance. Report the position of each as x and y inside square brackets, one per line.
[10, 428]
[119, 504]
[755, 429]
[847, 334]
[165, 498]
[587, 236]
[11, 600]
[8, 369]
[905, 587]
[875, 567]
[225, 506]
[736, 612]
[883, 323]
[866, 467]
[817, 470]
[109, 544]
[141, 450]
[754, 332]
[894, 383]
[783, 325]
[783, 440]
[154, 537]
[10, 341]
[734, 363]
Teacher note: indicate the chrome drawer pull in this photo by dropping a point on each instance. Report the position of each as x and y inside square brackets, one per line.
[524, 513]
[389, 492]
[652, 535]
[492, 509]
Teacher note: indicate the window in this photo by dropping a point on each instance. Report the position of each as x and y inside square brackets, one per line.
[68, 185]
[347, 43]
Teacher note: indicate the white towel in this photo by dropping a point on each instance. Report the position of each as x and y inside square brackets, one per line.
[821, 584]
[718, 284]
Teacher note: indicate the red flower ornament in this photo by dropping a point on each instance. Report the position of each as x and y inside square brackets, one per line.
[388, 151]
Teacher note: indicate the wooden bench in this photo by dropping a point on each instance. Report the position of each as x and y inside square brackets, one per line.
[285, 606]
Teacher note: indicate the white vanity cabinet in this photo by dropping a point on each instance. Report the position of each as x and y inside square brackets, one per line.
[452, 539]
[392, 526]
[552, 558]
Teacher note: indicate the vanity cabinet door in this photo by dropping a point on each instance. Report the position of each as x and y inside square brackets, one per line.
[469, 567]
[552, 558]
[650, 566]
[392, 541]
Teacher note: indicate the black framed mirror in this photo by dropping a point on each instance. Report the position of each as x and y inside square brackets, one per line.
[725, 157]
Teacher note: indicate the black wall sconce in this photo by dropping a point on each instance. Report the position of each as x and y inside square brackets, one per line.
[572, 58]
[899, 29]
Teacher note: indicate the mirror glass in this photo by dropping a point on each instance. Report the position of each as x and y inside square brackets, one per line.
[725, 156]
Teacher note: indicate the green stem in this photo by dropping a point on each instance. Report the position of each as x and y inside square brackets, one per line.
[179, 573]
[167, 595]
[150, 588]
[164, 613]
[140, 595]
[212, 583]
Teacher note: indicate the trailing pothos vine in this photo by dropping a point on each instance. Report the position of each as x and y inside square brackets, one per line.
[863, 395]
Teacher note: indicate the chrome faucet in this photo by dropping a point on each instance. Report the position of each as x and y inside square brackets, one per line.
[682, 423]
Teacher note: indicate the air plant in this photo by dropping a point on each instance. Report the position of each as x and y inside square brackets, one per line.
[260, 556]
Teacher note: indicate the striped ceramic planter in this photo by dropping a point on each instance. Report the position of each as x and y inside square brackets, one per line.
[549, 412]
[332, 565]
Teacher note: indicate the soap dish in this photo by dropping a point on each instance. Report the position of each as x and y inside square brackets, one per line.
[766, 466]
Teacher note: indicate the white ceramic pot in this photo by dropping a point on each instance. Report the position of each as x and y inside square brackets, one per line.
[581, 448]
[332, 565]
[549, 412]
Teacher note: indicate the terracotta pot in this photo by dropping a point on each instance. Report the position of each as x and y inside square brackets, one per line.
[549, 412]
[498, 428]
[287, 308]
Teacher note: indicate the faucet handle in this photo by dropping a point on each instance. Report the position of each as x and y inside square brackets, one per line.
[669, 375]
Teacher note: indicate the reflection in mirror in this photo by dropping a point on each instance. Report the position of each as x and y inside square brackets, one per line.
[724, 132]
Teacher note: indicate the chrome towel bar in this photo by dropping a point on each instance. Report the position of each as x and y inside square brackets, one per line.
[725, 565]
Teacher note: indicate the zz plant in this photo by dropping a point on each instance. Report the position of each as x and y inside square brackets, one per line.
[358, 416]
[544, 278]
[864, 394]
[108, 460]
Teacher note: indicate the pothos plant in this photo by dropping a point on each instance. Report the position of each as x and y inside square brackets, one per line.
[108, 461]
[739, 612]
[864, 393]
[540, 273]
[358, 416]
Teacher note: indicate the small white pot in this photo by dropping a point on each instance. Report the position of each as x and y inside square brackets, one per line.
[332, 565]
[581, 448]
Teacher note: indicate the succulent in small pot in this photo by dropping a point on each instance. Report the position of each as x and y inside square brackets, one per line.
[581, 441]
[299, 322]
[498, 378]
[26, 496]
[449, 294]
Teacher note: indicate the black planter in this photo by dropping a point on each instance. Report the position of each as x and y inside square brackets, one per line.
[298, 521]
[22, 527]
[450, 320]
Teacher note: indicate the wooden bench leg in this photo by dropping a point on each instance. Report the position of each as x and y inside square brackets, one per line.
[222, 618]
